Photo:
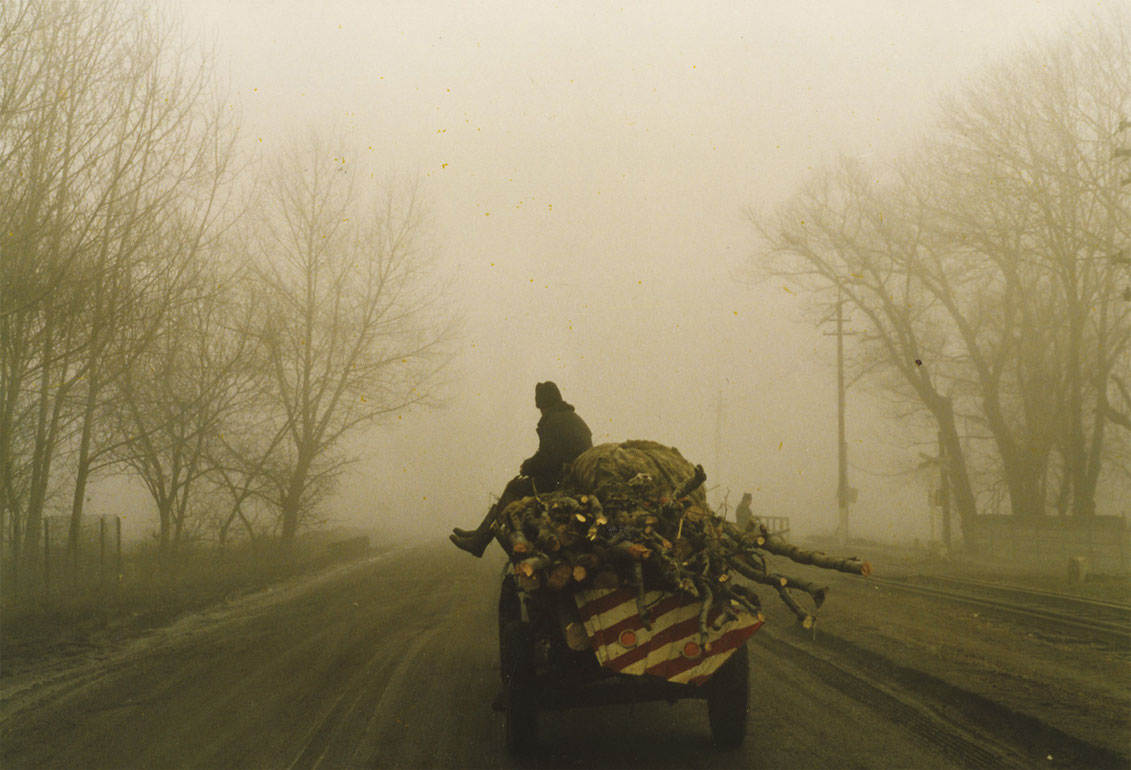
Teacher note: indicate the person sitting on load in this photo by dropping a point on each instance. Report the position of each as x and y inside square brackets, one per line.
[562, 436]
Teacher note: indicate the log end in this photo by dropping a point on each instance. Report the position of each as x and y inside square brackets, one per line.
[529, 584]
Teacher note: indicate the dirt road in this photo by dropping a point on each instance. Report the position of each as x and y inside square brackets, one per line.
[392, 662]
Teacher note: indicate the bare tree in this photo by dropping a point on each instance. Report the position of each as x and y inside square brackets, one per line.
[178, 397]
[1024, 187]
[248, 455]
[983, 266]
[114, 154]
[849, 236]
[355, 329]
[49, 74]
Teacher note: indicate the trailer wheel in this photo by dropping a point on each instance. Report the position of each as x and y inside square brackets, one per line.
[510, 610]
[728, 693]
[519, 687]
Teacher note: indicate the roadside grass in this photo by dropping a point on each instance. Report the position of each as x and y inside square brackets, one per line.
[919, 558]
[73, 620]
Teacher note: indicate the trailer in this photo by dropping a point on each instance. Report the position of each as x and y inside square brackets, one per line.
[623, 586]
[593, 647]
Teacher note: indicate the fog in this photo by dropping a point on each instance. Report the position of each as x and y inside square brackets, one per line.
[588, 168]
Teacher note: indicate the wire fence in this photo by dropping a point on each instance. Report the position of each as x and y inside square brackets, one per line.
[56, 567]
[1053, 543]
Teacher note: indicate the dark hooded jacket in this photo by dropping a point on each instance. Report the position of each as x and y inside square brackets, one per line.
[562, 436]
[743, 516]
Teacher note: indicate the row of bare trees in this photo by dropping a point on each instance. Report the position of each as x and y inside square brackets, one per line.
[988, 272]
[153, 321]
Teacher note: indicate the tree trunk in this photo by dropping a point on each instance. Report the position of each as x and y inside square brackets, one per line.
[962, 495]
[1076, 454]
[11, 378]
[292, 504]
[41, 456]
[1084, 499]
[46, 436]
[82, 473]
[1023, 477]
[290, 522]
[943, 410]
[164, 515]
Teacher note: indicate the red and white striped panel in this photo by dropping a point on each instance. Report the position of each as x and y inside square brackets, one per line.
[609, 613]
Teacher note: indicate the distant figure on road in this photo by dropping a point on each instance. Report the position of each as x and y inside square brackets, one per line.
[562, 436]
[743, 516]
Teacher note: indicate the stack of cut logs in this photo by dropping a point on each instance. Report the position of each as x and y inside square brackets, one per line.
[625, 518]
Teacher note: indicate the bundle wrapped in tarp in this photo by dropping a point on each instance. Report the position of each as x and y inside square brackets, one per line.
[635, 514]
[651, 468]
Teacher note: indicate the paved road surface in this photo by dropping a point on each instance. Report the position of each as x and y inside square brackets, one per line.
[392, 662]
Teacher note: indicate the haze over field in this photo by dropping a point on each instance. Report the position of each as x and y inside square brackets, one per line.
[588, 168]
[278, 281]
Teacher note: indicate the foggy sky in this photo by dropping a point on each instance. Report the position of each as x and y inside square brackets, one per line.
[587, 166]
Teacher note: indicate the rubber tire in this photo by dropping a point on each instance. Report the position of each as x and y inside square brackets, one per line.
[521, 714]
[728, 696]
[510, 610]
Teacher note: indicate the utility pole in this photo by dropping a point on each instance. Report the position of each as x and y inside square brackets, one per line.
[842, 443]
[845, 494]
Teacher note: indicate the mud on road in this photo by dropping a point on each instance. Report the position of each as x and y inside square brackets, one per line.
[391, 661]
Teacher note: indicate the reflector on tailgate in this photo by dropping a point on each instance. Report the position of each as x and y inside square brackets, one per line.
[671, 649]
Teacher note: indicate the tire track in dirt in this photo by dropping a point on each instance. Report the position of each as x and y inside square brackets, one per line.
[959, 722]
[56, 682]
[332, 741]
[393, 662]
